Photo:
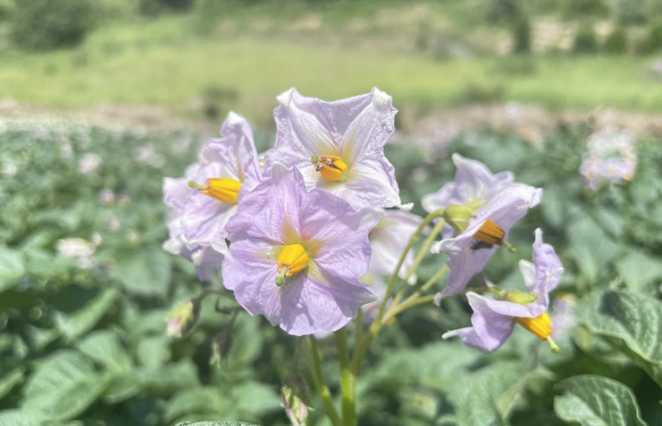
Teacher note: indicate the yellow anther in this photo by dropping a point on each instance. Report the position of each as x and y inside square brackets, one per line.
[329, 166]
[490, 233]
[222, 189]
[540, 326]
[291, 260]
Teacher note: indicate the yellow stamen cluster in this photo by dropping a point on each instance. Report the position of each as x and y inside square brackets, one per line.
[291, 260]
[541, 327]
[222, 189]
[491, 233]
[330, 167]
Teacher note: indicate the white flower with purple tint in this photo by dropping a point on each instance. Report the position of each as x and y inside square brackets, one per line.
[389, 239]
[468, 253]
[205, 199]
[296, 256]
[339, 146]
[474, 186]
[493, 320]
[610, 156]
[89, 163]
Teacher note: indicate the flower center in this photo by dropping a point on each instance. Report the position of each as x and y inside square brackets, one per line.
[222, 189]
[490, 234]
[329, 166]
[541, 327]
[291, 260]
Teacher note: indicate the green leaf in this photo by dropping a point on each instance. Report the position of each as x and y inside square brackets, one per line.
[105, 347]
[632, 322]
[597, 401]
[639, 269]
[12, 267]
[145, 274]
[9, 380]
[63, 386]
[207, 402]
[256, 398]
[82, 320]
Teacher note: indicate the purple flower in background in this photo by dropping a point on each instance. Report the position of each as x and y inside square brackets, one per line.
[610, 156]
[474, 186]
[296, 256]
[493, 320]
[469, 251]
[389, 239]
[339, 146]
[205, 199]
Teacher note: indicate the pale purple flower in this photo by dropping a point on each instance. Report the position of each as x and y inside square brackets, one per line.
[474, 186]
[323, 292]
[89, 163]
[610, 156]
[339, 146]
[389, 239]
[467, 254]
[563, 316]
[493, 320]
[197, 221]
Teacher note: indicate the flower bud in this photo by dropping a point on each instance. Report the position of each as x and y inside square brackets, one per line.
[458, 217]
[182, 319]
[519, 297]
[221, 346]
[296, 399]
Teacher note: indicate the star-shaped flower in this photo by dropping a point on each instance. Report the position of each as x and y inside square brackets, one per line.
[339, 146]
[296, 256]
[493, 320]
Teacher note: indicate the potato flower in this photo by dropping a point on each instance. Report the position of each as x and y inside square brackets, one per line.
[493, 320]
[339, 146]
[296, 256]
[481, 207]
[205, 199]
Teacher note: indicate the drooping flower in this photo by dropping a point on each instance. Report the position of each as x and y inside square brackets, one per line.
[339, 146]
[487, 230]
[480, 208]
[610, 156]
[296, 256]
[493, 320]
[474, 186]
[389, 239]
[205, 199]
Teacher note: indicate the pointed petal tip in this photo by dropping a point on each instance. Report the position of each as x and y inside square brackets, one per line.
[381, 99]
[406, 207]
[436, 248]
[437, 300]
[233, 119]
[285, 98]
[538, 234]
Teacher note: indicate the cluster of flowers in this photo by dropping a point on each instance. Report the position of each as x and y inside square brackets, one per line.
[297, 235]
[610, 156]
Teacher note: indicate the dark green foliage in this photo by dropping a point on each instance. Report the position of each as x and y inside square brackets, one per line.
[632, 12]
[522, 35]
[154, 7]
[617, 42]
[652, 41]
[47, 24]
[504, 11]
[586, 41]
[581, 9]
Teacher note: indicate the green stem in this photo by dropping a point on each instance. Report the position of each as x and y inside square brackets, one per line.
[314, 362]
[347, 380]
[359, 328]
[425, 248]
[362, 348]
[408, 304]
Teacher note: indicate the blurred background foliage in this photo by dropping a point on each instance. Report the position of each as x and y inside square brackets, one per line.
[82, 339]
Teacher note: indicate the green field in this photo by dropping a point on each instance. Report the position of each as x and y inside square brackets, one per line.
[163, 62]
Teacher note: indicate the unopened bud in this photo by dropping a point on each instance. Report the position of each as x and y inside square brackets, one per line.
[519, 297]
[221, 346]
[182, 319]
[458, 217]
[296, 399]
